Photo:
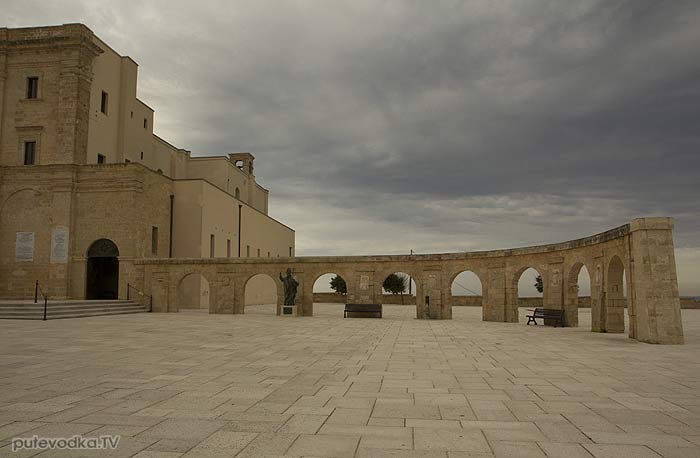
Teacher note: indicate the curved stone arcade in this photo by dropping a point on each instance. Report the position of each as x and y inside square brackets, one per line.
[641, 250]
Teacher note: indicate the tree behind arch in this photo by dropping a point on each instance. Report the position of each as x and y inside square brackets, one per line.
[338, 285]
[396, 284]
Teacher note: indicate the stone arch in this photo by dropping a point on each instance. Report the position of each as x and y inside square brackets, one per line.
[411, 292]
[178, 281]
[267, 289]
[102, 272]
[472, 288]
[571, 292]
[328, 296]
[24, 210]
[193, 291]
[614, 299]
[36, 193]
[513, 307]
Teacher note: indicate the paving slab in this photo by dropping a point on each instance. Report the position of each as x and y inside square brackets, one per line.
[254, 385]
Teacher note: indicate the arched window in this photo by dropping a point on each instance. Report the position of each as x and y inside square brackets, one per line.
[237, 194]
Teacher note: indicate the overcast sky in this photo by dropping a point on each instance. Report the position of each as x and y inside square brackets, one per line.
[386, 126]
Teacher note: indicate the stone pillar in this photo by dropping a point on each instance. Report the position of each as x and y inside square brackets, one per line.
[446, 296]
[159, 288]
[495, 296]
[430, 285]
[75, 80]
[553, 297]
[238, 297]
[363, 291]
[597, 294]
[570, 289]
[654, 284]
[222, 293]
[59, 281]
[614, 298]
[3, 78]
[305, 294]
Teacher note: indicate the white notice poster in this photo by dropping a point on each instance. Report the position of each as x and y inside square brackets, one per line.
[59, 245]
[24, 247]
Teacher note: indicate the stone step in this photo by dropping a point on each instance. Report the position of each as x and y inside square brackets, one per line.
[73, 315]
[59, 306]
[67, 309]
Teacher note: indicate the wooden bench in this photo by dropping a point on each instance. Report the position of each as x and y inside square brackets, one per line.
[363, 308]
[548, 315]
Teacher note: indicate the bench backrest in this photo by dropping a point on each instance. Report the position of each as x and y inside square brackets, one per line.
[549, 313]
[363, 307]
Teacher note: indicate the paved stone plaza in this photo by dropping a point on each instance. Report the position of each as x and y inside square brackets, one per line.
[197, 385]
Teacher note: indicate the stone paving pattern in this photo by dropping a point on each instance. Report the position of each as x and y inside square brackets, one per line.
[191, 384]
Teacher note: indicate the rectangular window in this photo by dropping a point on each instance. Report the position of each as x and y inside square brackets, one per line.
[211, 246]
[258, 252]
[247, 251]
[145, 123]
[103, 102]
[29, 153]
[142, 155]
[154, 240]
[268, 254]
[33, 87]
[228, 248]
[290, 252]
[100, 158]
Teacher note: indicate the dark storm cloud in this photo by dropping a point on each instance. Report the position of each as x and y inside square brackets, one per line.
[436, 126]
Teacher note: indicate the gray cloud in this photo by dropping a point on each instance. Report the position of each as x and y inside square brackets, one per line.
[433, 126]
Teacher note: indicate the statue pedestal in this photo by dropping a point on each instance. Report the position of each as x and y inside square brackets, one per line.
[289, 310]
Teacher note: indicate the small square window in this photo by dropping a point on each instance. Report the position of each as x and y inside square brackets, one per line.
[104, 101]
[32, 87]
[154, 240]
[101, 158]
[29, 153]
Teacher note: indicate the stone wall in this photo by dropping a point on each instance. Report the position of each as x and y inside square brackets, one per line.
[690, 303]
[610, 257]
[475, 301]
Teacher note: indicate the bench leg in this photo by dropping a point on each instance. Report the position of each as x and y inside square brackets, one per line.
[531, 319]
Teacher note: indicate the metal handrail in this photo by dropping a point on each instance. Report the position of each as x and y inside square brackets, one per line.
[129, 287]
[37, 290]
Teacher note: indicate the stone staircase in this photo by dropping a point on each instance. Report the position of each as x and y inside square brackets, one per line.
[28, 310]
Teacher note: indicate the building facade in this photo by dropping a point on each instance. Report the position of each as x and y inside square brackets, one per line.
[86, 187]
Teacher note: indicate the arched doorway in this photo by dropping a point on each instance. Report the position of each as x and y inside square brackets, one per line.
[614, 303]
[530, 289]
[578, 293]
[193, 292]
[102, 273]
[399, 289]
[329, 294]
[260, 295]
[467, 292]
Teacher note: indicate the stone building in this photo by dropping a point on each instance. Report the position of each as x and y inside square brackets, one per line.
[86, 187]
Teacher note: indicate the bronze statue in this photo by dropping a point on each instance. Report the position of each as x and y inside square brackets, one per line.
[290, 287]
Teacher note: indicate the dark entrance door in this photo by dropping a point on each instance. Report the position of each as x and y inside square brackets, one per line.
[102, 281]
